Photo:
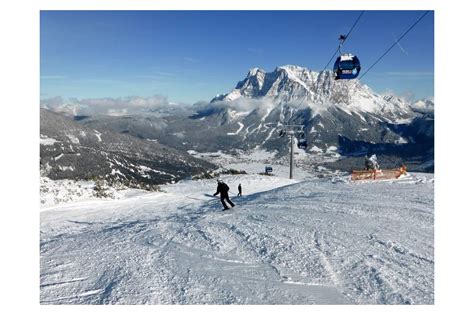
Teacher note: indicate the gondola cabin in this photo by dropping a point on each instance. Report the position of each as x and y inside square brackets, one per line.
[302, 144]
[346, 67]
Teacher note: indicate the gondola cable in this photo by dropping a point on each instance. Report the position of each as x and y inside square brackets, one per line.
[395, 43]
[343, 39]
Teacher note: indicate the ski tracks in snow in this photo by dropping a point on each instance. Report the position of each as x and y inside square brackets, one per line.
[320, 248]
[209, 249]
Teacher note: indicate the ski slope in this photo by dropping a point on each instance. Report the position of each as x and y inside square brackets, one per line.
[318, 241]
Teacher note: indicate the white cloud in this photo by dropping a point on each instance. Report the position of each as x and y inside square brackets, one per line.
[243, 104]
[105, 106]
[424, 105]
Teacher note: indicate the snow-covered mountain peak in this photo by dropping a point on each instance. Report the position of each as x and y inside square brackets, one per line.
[298, 86]
[292, 69]
[285, 84]
[255, 71]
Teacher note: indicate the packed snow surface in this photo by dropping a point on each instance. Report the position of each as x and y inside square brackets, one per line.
[319, 241]
[57, 192]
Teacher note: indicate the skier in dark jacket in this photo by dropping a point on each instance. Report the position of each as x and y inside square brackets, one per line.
[240, 190]
[223, 189]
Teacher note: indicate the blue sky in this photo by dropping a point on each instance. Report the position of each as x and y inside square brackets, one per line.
[189, 56]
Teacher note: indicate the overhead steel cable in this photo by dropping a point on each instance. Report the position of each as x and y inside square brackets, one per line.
[345, 38]
[394, 44]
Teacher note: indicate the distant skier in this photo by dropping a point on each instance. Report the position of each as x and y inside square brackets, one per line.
[371, 163]
[240, 190]
[374, 161]
[223, 189]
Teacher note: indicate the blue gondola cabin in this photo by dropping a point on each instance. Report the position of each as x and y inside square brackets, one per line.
[346, 67]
